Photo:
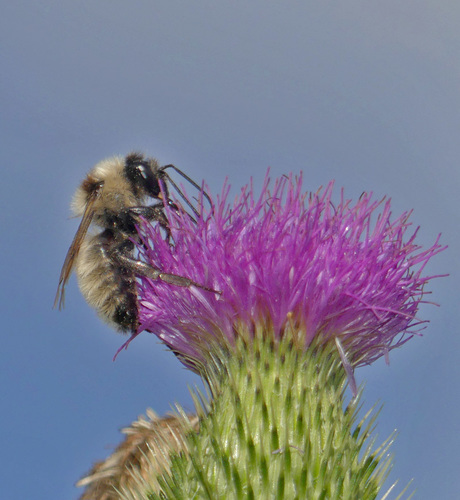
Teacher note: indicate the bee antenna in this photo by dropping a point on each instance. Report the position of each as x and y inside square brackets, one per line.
[187, 178]
[172, 205]
[181, 194]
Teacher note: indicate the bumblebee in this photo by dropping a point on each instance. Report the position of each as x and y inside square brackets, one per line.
[113, 196]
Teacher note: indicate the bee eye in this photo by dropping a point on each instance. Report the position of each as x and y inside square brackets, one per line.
[143, 176]
[142, 171]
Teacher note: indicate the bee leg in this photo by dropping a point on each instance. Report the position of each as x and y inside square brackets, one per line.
[152, 213]
[156, 212]
[120, 255]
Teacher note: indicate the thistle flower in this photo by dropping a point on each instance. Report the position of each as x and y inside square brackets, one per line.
[342, 273]
[309, 290]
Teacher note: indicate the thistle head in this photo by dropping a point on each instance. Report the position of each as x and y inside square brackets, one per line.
[286, 263]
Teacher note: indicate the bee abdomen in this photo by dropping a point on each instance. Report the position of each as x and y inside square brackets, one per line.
[107, 288]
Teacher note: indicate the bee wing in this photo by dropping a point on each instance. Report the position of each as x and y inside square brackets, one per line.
[75, 246]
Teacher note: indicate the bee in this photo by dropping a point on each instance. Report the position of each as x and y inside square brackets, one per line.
[113, 197]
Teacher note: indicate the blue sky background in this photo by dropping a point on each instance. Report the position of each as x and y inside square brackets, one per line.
[367, 93]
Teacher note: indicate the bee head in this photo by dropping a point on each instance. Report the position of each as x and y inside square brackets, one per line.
[145, 176]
